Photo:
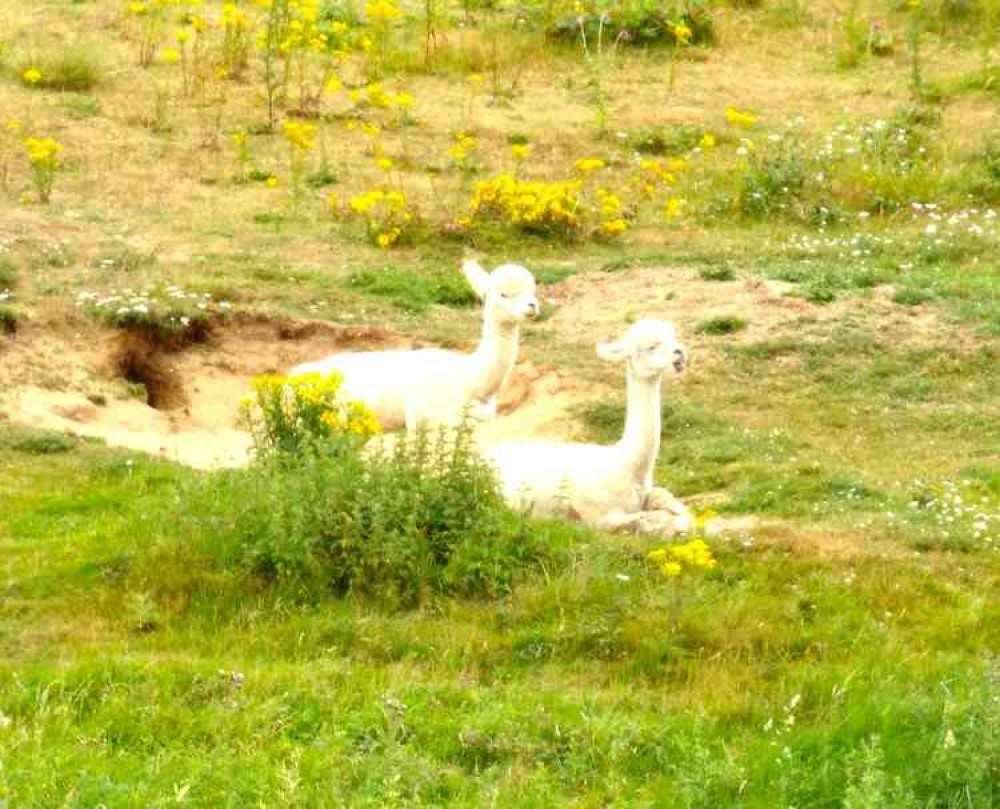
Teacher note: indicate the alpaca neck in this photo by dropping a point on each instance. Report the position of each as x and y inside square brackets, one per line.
[640, 442]
[494, 357]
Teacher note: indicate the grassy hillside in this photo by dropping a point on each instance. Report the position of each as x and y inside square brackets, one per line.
[809, 190]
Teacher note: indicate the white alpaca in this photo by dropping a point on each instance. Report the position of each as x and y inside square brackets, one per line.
[610, 487]
[431, 385]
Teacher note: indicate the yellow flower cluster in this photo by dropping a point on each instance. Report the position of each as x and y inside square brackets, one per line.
[672, 561]
[299, 134]
[536, 206]
[682, 33]
[382, 11]
[43, 152]
[354, 418]
[233, 16]
[387, 215]
[377, 96]
[589, 164]
[614, 227]
[285, 408]
[32, 75]
[741, 119]
[367, 202]
[674, 208]
[520, 151]
[464, 145]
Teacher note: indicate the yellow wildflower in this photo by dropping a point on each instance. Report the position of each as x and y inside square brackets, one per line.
[12, 125]
[673, 208]
[384, 163]
[333, 200]
[171, 56]
[385, 240]
[334, 85]
[32, 75]
[707, 141]
[382, 11]
[737, 118]
[183, 36]
[520, 151]
[614, 226]
[271, 182]
[477, 78]
[299, 134]
[589, 164]
[136, 8]
[682, 33]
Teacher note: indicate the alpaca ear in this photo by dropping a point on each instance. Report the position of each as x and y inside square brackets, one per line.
[477, 277]
[615, 352]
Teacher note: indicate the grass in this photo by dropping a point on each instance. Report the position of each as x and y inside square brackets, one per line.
[77, 68]
[658, 708]
[9, 319]
[724, 324]
[415, 291]
[8, 273]
[161, 641]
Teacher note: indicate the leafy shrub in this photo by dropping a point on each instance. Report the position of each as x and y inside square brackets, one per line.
[9, 319]
[716, 272]
[76, 68]
[394, 525]
[167, 315]
[645, 25]
[8, 273]
[537, 207]
[773, 182]
[35, 442]
[288, 415]
[911, 296]
[721, 325]
[389, 221]
[659, 141]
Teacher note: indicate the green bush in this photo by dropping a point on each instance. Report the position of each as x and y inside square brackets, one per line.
[395, 525]
[35, 442]
[288, 415]
[77, 68]
[8, 274]
[641, 25]
[9, 318]
[721, 325]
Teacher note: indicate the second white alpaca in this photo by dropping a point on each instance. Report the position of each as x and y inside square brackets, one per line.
[610, 487]
[431, 385]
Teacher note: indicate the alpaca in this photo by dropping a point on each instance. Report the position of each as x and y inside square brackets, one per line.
[609, 487]
[414, 388]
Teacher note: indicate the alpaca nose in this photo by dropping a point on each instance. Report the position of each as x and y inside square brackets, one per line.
[680, 358]
[534, 310]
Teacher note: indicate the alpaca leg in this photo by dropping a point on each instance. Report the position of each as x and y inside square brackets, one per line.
[664, 522]
[660, 499]
[619, 522]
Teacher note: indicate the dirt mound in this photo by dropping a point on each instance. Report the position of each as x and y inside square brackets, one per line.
[187, 408]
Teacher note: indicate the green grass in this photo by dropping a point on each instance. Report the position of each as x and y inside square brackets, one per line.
[8, 273]
[415, 291]
[594, 683]
[9, 319]
[75, 68]
[721, 325]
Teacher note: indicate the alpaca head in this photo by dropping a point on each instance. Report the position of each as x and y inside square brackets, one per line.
[650, 347]
[508, 291]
